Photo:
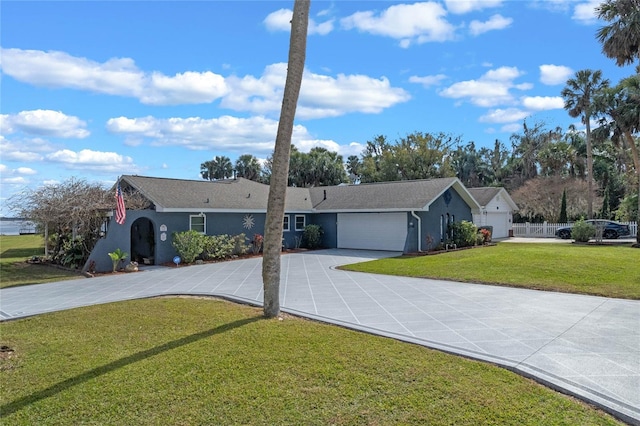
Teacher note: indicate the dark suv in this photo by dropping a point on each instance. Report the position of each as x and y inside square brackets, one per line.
[611, 231]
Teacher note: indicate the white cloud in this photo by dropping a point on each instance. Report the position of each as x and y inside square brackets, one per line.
[496, 22]
[280, 20]
[25, 171]
[466, 6]
[117, 76]
[428, 80]
[511, 128]
[410, 23]
[320, 95]
[542, 103]
[492, 89]
[585, 12]
[93, 161]
[508, 115]
[44, 123]
[554, 74]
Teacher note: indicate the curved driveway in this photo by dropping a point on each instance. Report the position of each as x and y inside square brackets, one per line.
[582, 345]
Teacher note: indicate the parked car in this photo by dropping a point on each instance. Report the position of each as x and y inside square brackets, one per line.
[611, 231]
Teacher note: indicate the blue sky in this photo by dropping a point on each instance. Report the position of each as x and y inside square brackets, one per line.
[95, 90]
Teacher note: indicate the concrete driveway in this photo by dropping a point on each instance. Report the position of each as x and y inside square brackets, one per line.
[585, 346]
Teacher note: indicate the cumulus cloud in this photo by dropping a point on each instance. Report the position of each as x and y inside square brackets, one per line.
[586, 12]
[320, 95]
[504, 115]
[280, 20]
[240, 135]
[94, 161]
[466, 6]
[554, 74]
[44, 123]
[542, 103]
[416, 23]
[493, 88]
[428, 80]
[117, 76]
[496, 22]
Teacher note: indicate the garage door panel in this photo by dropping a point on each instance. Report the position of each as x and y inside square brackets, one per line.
[372, 231]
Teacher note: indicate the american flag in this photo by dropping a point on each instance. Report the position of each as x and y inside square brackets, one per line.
[120, 209]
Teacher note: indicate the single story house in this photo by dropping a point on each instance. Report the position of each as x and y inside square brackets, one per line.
[496, 210]
[403, 216]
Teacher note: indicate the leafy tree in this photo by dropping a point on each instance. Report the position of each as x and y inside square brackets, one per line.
[620, 39]
[578, 95]
[248, 167]
[280, 165]
[72, 212]
[415, 156]
[354, 168]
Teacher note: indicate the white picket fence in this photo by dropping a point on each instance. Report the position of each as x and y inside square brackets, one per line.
[548, 230]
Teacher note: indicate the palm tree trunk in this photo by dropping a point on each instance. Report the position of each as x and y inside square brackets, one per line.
[280, 166]
[589, 170]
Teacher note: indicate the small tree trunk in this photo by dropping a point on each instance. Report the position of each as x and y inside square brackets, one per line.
[280, 165]
[636, 162]
[589, 171]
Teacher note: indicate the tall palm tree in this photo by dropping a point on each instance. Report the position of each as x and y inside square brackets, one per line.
[578, 97]
[280, 166]
[622, 104]
[248, 167]
[621, 38]
[222, 167]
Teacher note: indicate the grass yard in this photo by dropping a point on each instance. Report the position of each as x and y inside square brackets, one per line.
[187, 361]
[611, 271]
[14, 271]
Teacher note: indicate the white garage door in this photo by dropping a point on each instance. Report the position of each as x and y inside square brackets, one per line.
[372, 231]
[500, 223]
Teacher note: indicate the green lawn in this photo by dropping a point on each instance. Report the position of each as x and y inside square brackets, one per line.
[611, 271]
[187, 361]
[14, 271]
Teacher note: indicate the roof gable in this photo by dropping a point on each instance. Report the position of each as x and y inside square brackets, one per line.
[485, 195]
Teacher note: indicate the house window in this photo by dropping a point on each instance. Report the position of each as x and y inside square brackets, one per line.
[441, 227]
[198, 223]
[285, 223]
[300, 222]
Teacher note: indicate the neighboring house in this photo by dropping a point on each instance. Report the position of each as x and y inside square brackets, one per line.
[403, 216]
[496, 211]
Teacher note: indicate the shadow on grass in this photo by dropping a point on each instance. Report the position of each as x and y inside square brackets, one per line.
[22, 252]
[19, 404]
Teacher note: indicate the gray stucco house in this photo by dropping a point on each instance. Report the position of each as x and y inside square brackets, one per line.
[403, 216]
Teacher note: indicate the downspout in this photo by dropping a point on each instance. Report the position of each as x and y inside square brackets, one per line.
[413, 213]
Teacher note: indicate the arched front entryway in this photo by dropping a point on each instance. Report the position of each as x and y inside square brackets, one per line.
[143, 241]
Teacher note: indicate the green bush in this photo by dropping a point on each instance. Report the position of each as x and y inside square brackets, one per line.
[240, 244]
[464, 233]
[582, 231]
[218, 246]
[188, 244]
[312, 236]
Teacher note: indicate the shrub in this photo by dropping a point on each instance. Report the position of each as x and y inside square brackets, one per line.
[188, 244]
[485, 232]
[312, 236]
[240, 244]
[582, 231]
[73, 253]
[256, 243]
[464, 233]
[218, 246]
[117, 256]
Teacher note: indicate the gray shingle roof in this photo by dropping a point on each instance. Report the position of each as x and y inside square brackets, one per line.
[484, 195]
[231, 194]
[242, 194]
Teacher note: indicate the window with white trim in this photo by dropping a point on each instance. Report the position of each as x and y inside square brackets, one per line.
[285, 223]
[198, 223]
[300, 222]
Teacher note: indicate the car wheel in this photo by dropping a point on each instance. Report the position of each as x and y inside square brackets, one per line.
[610, 234]
[565, 235]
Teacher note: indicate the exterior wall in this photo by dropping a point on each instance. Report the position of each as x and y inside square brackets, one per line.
[431, 225]
[165, 224]
[497, 213]
[329, 224]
